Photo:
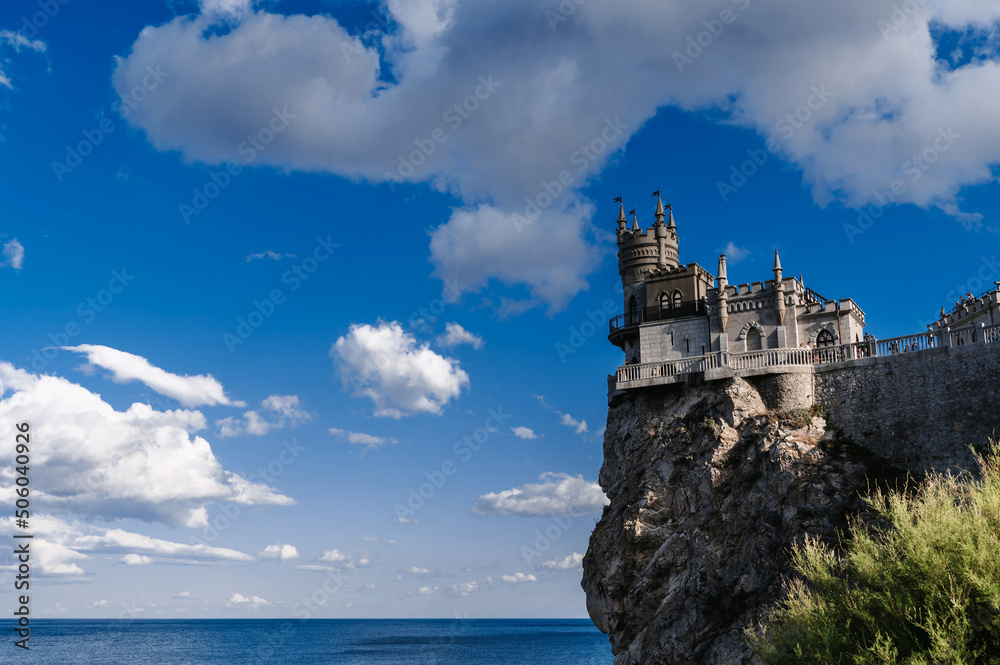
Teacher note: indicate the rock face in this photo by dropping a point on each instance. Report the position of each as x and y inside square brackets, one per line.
[708, 490]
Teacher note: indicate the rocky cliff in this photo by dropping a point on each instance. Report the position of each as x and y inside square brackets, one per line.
[708, 489]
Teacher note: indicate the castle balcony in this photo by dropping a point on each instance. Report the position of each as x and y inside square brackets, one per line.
[720, 365]
[629, 322]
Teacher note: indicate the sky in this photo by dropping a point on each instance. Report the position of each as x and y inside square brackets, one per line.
[305, 303]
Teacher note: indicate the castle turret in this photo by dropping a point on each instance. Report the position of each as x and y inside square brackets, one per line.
[661, 233]
[723, 294]
[779, 290]
[641, 252]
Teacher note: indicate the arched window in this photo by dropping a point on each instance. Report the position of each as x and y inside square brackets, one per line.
[664, 300]
[633, 311]
[677, 299]
[635, 360]
[754, 342]
[824, 338]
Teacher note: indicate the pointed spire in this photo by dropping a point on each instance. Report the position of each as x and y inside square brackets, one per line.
[777, 261]
[621, 211]
[635, 220]
[659, 207]
[671, 224]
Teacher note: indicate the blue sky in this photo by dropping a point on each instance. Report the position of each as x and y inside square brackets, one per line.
[421, 298]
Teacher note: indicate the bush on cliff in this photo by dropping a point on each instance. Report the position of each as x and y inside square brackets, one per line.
[920, 586]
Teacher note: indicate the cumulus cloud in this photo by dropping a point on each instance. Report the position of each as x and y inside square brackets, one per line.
[368, 441]
[518, 577]
[415, 570]
[13, 253]
[239, 601]
[400, 376]
[843, 93]
[282, 409]
[136, 560]
[334, 559]
[463, 589]
[580, 426]
[334, 556]
[200, 390]
[455, 335]
[279, 551]
[99, 462]
[524, 433]
[556, 494]
[571, 562]
[424, 591]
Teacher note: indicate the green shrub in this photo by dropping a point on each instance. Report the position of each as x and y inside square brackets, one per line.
[920, 586]
[795, 418]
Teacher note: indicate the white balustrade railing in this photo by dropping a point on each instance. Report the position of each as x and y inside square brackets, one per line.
[991, 334]
[764, 358]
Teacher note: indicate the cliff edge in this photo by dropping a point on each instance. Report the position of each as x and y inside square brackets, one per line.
[708, 489]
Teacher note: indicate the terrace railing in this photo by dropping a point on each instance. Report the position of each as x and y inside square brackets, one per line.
[765, 358]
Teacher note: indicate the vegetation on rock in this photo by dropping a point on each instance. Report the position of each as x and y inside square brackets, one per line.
[918, 581]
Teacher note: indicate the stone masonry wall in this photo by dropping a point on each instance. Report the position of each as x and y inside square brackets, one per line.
[917, 410]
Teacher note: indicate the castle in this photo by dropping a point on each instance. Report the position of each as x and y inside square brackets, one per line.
[680, 319]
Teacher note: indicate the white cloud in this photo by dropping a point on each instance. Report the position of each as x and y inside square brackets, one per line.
[883, 98]
[252, 424]
[103, 463]
[464, 588]
[59, 545]
[279, 551]
[136, 560]
[569, 421]
[13, 253]
[269, 254]
[334, 556]
[456, 335]
[420, 571]
[580, 426]
[400, 377]
[571, 562]
[112, 540]
[556, 494]
[734, 253]
[184, 594]
[369, 441]
[99, 603]
[424, 591]
[285, 407]
[524, 433]
[200, 390]
[239, 601]
[16, 41]
[519, 577]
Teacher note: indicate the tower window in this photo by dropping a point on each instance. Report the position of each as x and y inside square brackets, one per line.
[633, 311]
[678, 298]
[824, 338]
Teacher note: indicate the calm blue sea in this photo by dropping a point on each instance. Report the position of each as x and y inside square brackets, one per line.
[277, 642]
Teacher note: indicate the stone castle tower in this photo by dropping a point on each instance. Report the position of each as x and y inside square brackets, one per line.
[674, 311]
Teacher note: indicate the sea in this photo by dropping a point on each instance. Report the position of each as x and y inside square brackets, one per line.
[303, 642]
